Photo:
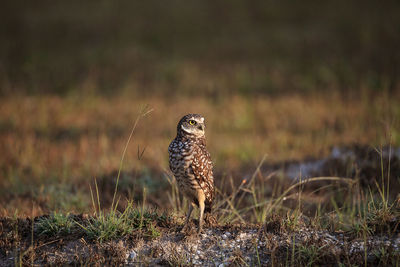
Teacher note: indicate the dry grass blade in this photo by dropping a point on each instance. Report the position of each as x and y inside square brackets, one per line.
[143, 112]
[242, 186]
[279, 200]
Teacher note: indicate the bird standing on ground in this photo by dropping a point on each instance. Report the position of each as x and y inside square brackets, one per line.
[191, 164]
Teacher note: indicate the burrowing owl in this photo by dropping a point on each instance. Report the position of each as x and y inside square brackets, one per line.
[191, 164]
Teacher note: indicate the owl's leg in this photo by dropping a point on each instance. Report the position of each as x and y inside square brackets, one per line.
[201, 217]
[188, 216]
[189, 213]
[201, 199]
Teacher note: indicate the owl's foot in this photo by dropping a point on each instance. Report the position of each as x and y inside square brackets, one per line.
[184, 228]
[188, 228]
[210, 220]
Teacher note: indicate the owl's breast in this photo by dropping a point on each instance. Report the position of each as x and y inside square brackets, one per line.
[180, 157]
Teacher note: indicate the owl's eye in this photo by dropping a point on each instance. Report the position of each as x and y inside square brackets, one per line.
[192, 122]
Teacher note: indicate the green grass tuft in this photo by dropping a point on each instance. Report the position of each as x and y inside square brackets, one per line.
[55, 224]
[114, 225]
[309, 255]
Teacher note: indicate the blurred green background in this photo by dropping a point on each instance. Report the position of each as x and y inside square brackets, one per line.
[198, 47]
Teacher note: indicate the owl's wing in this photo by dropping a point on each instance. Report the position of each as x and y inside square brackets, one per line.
[173, 152]
[202, 169]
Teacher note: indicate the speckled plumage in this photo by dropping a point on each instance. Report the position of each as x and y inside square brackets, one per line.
[191, 163]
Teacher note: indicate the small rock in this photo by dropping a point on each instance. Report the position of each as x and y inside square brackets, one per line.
[130, 256]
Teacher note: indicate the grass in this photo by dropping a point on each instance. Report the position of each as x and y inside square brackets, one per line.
[104, 226]
[386, 256]
[178, 258]
[364, 216]
[114, 225]
[56, 224]
[369, 211]
[363, 213]
[308, 255]
[234, 207]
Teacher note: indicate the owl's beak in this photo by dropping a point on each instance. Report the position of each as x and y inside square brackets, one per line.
[201, 127]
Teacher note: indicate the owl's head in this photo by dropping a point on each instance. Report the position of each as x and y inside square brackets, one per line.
[192, 125]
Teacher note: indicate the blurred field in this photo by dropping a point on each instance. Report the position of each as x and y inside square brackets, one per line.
[206, 47]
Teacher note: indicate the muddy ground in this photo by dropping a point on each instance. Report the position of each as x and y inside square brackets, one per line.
[218, 245]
